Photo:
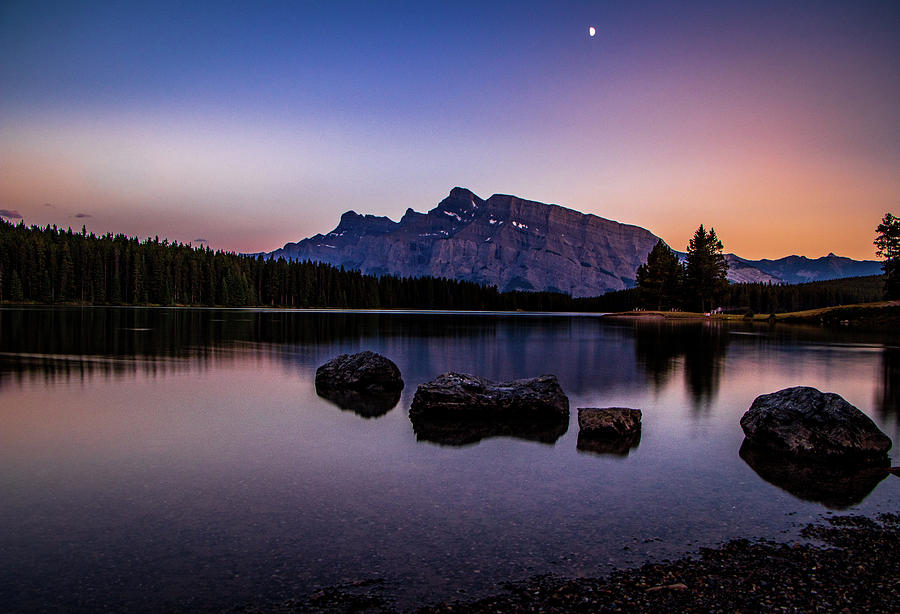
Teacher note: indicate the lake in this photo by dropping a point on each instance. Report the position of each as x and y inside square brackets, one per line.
[158, 459]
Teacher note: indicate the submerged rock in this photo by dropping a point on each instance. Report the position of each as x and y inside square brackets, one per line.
[470, 396]
[364, 371]
[805, 422]
[834, 485]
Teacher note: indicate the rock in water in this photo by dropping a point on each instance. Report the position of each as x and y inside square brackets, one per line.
[466, 395]
[609, 422]
[805, 422]
[364, 372]
[609, 430]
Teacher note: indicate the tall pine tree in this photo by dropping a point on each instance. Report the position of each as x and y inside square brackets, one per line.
[887, 246]
[705, 269]
[660, 279]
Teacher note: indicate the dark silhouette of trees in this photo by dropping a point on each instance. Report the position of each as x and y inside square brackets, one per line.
[705, 270]
[887, 246]
[50, 265]
[661, 279]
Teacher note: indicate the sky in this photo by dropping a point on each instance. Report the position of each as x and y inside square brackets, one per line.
[247, 125]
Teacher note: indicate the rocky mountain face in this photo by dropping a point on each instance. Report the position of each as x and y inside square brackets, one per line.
[504, 241]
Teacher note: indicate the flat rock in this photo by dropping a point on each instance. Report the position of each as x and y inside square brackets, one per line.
[805, 422]
[609, 422]
[364, 371]
[464, 395]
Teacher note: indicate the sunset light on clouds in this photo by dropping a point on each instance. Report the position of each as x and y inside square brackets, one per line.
[252, 125]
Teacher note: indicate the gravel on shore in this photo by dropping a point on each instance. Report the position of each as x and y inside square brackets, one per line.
[848, 564]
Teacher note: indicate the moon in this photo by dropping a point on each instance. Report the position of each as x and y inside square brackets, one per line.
[592, 31]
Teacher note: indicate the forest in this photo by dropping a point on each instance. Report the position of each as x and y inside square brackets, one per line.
[48, 265]
[766, 298]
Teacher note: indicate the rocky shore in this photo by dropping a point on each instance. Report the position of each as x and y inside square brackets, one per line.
[847, 564]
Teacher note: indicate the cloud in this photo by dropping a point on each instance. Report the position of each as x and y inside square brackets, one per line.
[200, 241]
[80, 215]
[11, 214]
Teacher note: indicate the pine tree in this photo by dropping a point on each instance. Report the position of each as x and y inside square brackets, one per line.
[887, 246]
[705, 269]
[15, 288]
[661, 278]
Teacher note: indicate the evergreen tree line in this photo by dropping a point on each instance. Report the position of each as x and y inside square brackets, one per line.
[49, 265]
[766, 297]
[664, 283]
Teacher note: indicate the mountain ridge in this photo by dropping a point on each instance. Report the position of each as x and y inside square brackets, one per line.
[518, 244]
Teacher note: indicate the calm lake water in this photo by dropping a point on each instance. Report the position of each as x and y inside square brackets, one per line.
[156, 459]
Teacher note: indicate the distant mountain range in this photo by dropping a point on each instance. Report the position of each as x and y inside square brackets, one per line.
[518, 244]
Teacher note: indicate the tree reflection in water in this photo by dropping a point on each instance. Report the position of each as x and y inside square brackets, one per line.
[888, 401]
[701, 347]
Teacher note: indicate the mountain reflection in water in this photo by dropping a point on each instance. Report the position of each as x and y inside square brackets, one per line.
[701, 346]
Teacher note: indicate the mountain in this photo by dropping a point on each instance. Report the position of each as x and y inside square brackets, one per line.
[745, 271]
[800, 269]
[504, 241]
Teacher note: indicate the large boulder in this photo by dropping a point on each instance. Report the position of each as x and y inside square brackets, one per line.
[363, 372]
[470, 396]
[805, 422]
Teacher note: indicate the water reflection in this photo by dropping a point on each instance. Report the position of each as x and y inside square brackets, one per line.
[660, 344]
[191, 462]
[448, 431]
[834, 486]
[609, 446]
[366, 404]
[889, 397]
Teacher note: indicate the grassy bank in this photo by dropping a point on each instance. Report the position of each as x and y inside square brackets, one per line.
[866, 315]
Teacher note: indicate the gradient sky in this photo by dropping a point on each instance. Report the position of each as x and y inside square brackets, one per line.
[251, 124]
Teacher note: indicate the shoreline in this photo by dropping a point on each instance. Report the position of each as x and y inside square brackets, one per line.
[846, 563]
[864, 315]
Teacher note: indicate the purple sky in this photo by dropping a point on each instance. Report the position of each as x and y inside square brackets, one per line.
[253, 124]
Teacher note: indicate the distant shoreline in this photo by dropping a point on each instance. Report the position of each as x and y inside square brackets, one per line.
[865, 315]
